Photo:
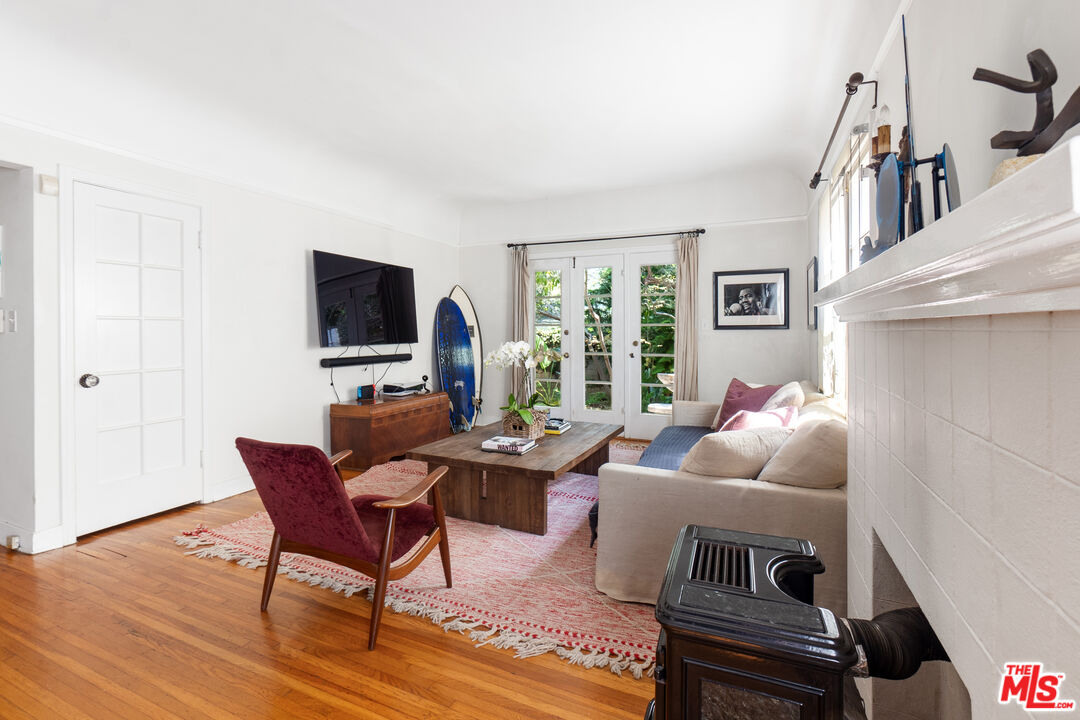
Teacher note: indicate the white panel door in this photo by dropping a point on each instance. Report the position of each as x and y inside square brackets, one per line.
[138, 408]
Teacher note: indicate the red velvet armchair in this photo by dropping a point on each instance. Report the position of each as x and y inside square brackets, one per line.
[313, 515]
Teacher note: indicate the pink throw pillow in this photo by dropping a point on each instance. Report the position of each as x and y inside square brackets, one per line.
[741, 396]
[780, 417]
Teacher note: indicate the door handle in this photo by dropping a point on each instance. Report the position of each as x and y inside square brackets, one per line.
[89, 381]
[566, 355]
[631, 354]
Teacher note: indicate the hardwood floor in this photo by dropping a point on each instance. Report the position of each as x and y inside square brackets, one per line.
[124, 625]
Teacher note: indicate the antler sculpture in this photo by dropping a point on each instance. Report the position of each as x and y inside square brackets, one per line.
[1047, 129]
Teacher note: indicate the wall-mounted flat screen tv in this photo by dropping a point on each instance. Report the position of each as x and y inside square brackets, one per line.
[363, 302]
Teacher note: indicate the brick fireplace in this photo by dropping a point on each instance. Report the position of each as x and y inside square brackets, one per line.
[964, 438]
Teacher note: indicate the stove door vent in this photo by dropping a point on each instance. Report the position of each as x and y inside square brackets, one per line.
[721, 565]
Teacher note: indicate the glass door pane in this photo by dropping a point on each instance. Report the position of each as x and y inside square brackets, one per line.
[549, 330]
[657, 311]
[598, 337]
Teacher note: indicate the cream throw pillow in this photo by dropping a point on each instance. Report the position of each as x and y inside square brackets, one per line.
[815, 456]
[828, 409]
[790, 395]
[734, 453]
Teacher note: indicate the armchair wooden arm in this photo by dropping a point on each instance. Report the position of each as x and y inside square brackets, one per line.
[338, 457]
[416, 492]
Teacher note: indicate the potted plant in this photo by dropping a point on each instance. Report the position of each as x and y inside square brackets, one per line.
[522, 418]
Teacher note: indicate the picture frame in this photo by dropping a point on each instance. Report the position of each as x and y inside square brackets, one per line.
[751, 299]
[811, 288]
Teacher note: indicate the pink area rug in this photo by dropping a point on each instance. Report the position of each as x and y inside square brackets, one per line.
[529, 593]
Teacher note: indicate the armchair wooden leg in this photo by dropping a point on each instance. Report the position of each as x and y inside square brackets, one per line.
[381, 579]
[271, 569]
[444, 540]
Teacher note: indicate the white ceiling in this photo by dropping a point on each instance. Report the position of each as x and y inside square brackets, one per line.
[482, 99]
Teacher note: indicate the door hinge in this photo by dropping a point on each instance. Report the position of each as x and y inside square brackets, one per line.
[202, 454]
[200, 239]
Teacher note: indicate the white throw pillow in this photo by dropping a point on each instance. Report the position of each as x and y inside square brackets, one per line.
[734, 453]
[790, 395]
[815, 456]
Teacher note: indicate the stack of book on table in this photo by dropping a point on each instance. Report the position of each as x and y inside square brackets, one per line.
[556, 426]
[508, 445]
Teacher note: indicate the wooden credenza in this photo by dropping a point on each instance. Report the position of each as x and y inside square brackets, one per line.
[377, 430]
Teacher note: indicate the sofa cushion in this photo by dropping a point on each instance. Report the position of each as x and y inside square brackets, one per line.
[827, 409]
[790, 395]
[734, 454]
[744, 419]
[815, 456]
[741, 396]
[668, 449]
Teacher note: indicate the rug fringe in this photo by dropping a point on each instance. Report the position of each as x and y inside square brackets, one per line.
[524, 646]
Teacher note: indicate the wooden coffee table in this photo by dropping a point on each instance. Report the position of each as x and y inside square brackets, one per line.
[511, 490]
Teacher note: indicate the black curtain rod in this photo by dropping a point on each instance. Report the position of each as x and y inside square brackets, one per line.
[699, 231]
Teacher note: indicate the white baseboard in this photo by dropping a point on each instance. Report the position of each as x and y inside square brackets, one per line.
[228, 488]
[32, 542]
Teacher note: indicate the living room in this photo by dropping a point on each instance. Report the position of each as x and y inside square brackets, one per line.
[539, 125]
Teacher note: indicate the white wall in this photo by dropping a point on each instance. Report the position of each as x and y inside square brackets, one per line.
[947, 41]
[764, 356]
[753, 220]
[262, 376]
[17, 355]
[739, 195]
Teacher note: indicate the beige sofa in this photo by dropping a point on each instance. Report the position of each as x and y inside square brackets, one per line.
[642, 510]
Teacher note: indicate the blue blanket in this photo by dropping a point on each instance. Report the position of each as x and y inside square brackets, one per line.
[669, 448]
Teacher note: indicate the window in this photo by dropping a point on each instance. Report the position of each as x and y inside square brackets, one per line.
[843, 221]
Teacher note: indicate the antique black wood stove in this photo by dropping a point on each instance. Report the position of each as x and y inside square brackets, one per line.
[740, 637]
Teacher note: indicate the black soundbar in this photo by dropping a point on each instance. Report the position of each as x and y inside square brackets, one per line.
[365, 360]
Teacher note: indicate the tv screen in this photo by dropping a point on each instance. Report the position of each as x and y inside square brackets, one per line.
[363, 302]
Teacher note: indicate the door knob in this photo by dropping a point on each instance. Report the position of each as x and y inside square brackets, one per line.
[566, 355]
[89, 381]
[634, 343]
[631, 354]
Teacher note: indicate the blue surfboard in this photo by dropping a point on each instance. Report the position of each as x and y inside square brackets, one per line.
[456, 371]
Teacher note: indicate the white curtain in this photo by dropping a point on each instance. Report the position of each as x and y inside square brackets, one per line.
[686, 345]
[520, 327]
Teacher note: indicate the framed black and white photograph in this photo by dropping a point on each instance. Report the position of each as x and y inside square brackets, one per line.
[811, 288]
[750, 300]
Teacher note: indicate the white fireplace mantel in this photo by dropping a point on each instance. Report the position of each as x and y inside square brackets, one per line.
[1014, 248]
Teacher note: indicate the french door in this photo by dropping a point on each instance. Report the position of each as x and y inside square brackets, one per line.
[607, 322]
[650, 291]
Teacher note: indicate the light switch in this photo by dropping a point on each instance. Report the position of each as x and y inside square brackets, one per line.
[12, 321]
